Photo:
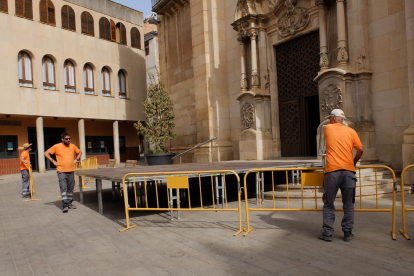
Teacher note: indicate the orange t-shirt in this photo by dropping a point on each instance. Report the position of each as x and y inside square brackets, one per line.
[65, 156]
[25, 156]
[340, 142]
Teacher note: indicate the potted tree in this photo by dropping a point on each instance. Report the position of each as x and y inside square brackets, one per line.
[159, 127]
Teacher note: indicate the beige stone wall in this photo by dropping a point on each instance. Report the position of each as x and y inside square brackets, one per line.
[388, 62]
[40, 39]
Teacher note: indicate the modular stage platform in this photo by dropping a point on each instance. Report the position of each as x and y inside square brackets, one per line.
[116, 175]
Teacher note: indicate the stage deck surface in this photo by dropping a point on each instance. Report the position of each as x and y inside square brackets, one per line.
[117, 174]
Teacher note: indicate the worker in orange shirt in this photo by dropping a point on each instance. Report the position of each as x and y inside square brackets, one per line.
[65, 154]
[24, 169]
[339, 174]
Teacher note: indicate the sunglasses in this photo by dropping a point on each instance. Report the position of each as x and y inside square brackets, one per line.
[67, 139]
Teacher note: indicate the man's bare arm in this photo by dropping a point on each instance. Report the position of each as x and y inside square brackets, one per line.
[78, 156]
[22, 159]
[358, 155]
[47, 155]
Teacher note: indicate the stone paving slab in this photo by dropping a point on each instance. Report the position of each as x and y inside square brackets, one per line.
[36, 238]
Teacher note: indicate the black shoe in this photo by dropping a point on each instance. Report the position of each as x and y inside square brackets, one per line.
[348, 236]
[324, 237]
[65, 210]
[72, 206]
[26, 196]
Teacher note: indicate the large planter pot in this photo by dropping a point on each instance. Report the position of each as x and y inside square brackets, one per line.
[154, 159]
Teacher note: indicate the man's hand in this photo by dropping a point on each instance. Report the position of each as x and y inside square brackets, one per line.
[55, 163]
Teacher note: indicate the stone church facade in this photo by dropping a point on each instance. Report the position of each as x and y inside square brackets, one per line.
[261, 75]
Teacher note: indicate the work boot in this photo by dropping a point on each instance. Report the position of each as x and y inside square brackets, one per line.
[324, 237]
[65, 209]
[71, 206]
[348, 236]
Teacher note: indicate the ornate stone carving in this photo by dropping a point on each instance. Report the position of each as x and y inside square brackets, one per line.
[267, 81]
[342, 54]
[255, 79]
[273, 3]
[319, 2]
[360, 62]
[253, 34]
[324, 61]
[295, 19]
[243, 84]
[244, 29]
[247, 115]
[331, 98]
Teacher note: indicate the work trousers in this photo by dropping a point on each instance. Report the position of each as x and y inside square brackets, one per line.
[25, 182]
[66, 184]
[333, 181]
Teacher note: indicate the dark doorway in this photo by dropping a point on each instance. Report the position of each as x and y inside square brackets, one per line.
[297, 66]
[51, 137]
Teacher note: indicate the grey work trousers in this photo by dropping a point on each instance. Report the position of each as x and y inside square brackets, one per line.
[333, 181]
[66, 184]
[25, 182]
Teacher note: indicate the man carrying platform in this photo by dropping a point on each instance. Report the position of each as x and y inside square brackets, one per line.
[339, 174]
[65, 155]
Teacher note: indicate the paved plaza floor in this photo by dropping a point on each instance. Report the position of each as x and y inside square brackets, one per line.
[36, 238]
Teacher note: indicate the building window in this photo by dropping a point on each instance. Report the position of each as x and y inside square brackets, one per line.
[106, 82]
[113, 31]
[47, 12]
[104, 28]
[88, 79]
[70, 80]
[121, 36]
[25, 70]
[48, 73]
[135, 38]
[87, 24]
[122, 84]
[103, 145]
[68, 18]
[4, 5]
[147, 49]
[8, 147]
[24, 8]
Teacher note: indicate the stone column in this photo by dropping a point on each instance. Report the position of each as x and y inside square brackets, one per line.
[408, 146]
[342, 48]
[81, 130]
[40, 145]
[116, 142]
[255, 72]
[243, 84]
[324, 60]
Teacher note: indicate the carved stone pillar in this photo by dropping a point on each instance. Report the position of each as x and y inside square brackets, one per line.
[243, 83]
[342, 48]
[255, 72]
[324, 60]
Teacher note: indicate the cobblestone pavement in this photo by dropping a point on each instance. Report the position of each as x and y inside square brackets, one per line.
[36, 238]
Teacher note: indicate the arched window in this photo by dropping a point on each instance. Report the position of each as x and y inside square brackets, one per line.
[121, 36]
[4, 5]
[122, 84]
[48, 73]
[87, 23]
[106, 82]
[88, 79]
[68, 18]
[25, 70]
[135, 38]
[104, 28]
[24, 8]
[70, 79]
[47, 12]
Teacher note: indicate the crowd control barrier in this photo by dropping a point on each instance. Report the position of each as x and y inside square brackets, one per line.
[31, 187]
[313, 177]
[179, 181]
[403, 231]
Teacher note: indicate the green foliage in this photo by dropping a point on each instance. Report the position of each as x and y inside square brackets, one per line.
[159, 111]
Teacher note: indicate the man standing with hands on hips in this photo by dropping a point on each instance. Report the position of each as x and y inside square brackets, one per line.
[65, 155]
[339, 174]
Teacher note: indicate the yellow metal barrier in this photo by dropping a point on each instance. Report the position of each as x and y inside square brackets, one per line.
[404, 230]
[311, 177]
[179, 181]
[31, 187]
